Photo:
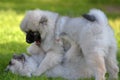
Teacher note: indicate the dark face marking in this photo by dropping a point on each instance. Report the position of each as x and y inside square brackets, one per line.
[20, 57]
[43, 20]
[33, 36]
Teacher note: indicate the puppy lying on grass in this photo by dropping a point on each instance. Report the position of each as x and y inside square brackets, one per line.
[69, 68]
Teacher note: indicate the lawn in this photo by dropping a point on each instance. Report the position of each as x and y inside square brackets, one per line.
[12, 39]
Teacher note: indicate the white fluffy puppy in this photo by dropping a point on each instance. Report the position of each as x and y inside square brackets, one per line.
[69, 68]
[92, 34]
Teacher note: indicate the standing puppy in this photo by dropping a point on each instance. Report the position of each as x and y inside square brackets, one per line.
[91, 33]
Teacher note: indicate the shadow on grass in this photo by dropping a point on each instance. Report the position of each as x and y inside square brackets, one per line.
[11, 47]
[22, 6]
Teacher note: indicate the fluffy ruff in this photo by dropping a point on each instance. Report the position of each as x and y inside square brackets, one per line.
[92, 49]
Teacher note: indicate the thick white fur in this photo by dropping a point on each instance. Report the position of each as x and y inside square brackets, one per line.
[95, 40]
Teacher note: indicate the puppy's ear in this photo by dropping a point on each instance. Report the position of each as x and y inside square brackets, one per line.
[43, 20]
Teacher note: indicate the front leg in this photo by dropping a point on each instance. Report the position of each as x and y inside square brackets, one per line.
[34, 49]
[51, 59]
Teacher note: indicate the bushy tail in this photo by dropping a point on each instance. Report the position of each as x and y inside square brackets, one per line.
[96, 15]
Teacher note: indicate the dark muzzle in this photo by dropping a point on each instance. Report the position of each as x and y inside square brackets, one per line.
[33, 36]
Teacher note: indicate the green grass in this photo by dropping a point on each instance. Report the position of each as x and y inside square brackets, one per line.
[12, 39]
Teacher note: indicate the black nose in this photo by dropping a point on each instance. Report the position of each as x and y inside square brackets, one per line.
[30, 37]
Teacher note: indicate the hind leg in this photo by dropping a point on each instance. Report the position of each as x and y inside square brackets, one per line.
[112, 69]
[96, 62]
[111, 64]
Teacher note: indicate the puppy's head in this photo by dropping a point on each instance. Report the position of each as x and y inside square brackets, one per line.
[16, 63]
[38, 24]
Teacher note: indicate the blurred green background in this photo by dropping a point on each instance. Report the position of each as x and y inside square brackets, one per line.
[12, 39]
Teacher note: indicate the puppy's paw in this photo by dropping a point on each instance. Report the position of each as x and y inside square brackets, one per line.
[37, 73]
